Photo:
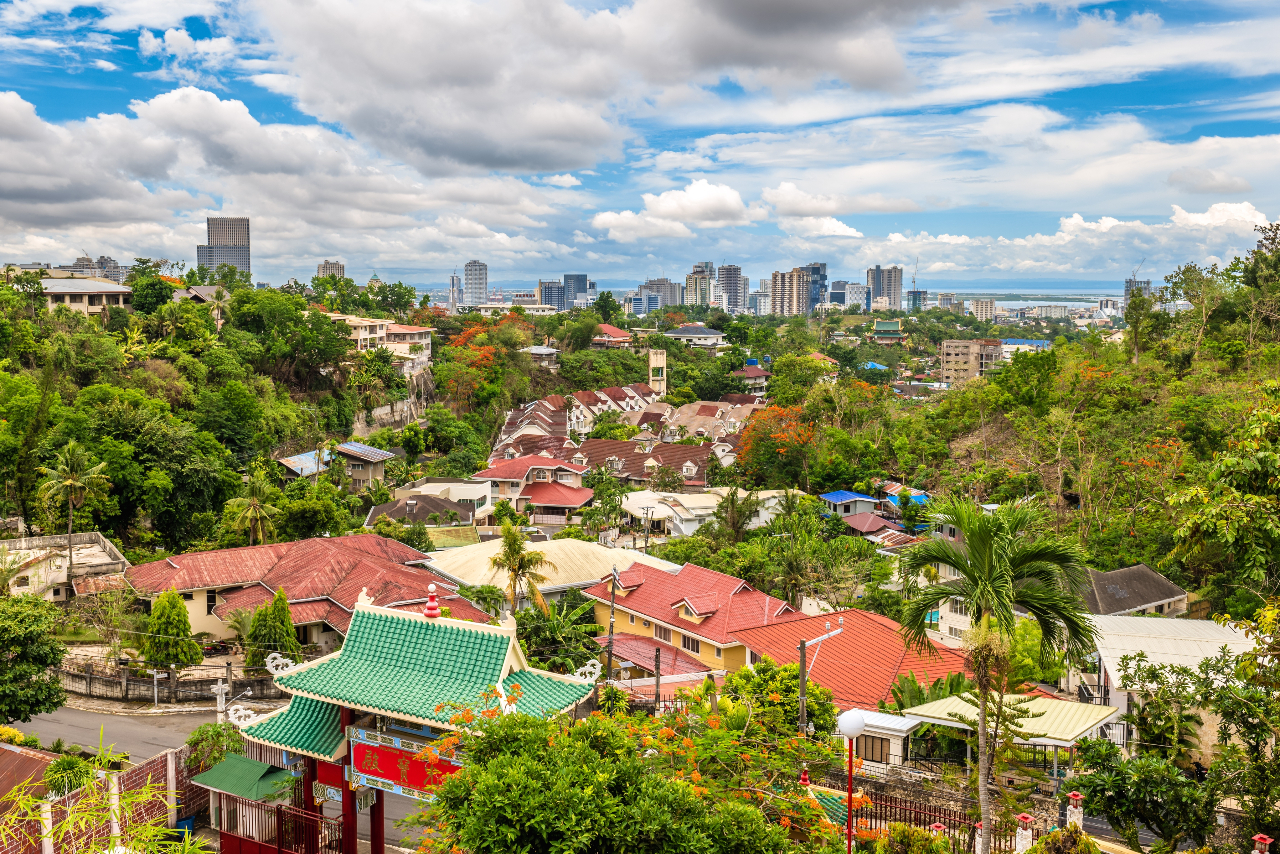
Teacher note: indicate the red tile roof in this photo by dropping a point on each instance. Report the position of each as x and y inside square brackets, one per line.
[607, 331]
[752, 371]
[639, 651]
[322, 577]
[597, 452]
[729, 603]
[518, 468]
[556, 495]
[739, 399]
[708, 410]
[869, 523]
[858, 665]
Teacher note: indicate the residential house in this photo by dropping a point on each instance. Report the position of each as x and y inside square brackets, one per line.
[368, 333]
[1163, 641]
[887, 332]
[321, 577]
[411, 344]
[891, 493]
[694, 609]
[870, 525]
[725, 449]
[546, 418]
[754, 377]
[422, 509]
[699, 337]
[574, 564]
[87, 296]
[610, 337]
[965, 360]
[40, 566]
[1133, 590]
[845, 503]
[467, 492]
[364, 463]
[635, 460]
[706, 419]
[544, 357]
[519, 480]
[674, 515]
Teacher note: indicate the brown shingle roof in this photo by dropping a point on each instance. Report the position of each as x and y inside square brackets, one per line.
[1128, 589]
[598, 451]
[422, 507]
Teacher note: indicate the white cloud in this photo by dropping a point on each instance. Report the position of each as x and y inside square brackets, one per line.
[104, 65]
[629, 226]
[789, 200]
[561, 181]
[1195, 180]
[702, 203]
[582, 237]
[817, 226]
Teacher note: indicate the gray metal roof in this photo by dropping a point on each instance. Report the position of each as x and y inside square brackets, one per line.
[83, 286]
[1165, 640]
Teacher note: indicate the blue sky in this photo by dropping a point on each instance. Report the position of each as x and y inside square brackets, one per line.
[992, 142]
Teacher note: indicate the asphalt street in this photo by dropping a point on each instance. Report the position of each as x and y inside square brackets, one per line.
[144, 736]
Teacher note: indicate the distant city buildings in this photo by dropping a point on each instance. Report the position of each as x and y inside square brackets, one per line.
[917, 300]
[817, 285]
[328, 268]
[1051, 311]
[885, 283]
[733, 288]
[228, 243]
[670, 292]
[1136, 286]
[475, 283]
[789, 292]
[697, 285]
[1109, 306]
[575, 287]
[964, 360]
[983, 309]
[948, 302]
[552, 293]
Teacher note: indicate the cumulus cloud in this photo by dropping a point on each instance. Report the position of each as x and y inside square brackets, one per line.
[817, 226]
[104, 65]
[789, 200]
[629, 226]
[702, 203]
[561, 181]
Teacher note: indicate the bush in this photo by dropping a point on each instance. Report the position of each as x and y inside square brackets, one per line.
[1072, 840]
[67, 774]
[9, 735]
[210, 744]
[906, 839]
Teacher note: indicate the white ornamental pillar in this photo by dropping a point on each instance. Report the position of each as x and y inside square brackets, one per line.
[1075, 809]
[113, 804]
[46, 828]
[1022, 840]
[171, 786]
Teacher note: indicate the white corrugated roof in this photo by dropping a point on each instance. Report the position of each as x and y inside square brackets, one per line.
[1164, 640]
[878, 723]
[577, 563]
[1062, 722]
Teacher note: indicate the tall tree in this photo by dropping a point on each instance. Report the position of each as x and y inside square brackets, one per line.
[252, 510]
[1006, 562]
[74, 479]
[169, 642]
[29, 654]
[272, 631]
[735, 511]
[523, 568]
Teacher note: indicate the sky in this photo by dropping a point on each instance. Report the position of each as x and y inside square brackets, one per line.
[962, 140]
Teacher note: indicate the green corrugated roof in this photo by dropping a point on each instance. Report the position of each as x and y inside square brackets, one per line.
[1060, 722]
[306, 726]
[244, 777]
[541, 694]
[452, 538]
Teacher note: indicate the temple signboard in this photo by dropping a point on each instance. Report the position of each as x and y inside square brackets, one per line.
[395, 770]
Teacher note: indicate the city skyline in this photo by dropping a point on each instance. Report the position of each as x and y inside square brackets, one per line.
[1026, 142]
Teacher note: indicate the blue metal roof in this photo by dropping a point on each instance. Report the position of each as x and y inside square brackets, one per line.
[844, 495]
[874, 366]
[919, 498]
[305, 464]
[1026, 342]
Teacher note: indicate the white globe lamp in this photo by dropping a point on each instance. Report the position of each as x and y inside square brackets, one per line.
[850, 724]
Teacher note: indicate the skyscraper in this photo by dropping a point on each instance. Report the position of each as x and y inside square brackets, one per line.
[733, 287]
[475, 277]
[886, 282]
[667, 291]
[1136, 286]
[917, 300]
[575, 287]
[838, 293]
[858, 295]
[552, 293]
[455, 291]
[789, 292]
[697, 287]
[331, 268]
[228, 243]
[817, 284]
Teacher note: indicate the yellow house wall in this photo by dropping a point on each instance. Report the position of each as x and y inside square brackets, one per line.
[733, 657]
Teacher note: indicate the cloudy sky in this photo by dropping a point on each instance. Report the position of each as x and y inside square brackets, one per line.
[1019, 142]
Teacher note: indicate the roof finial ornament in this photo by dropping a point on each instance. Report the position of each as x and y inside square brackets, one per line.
[364, 598]
[433, 605]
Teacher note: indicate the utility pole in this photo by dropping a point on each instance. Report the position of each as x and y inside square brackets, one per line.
[613, 593]
[657, 681]
[804, 678]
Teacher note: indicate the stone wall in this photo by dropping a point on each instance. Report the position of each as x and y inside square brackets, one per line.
[400, 412]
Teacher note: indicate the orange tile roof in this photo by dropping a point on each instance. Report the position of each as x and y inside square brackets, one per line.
[518, 467]
[860, 664]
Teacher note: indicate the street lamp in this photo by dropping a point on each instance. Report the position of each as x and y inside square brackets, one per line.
[648, 511]
[850, 724]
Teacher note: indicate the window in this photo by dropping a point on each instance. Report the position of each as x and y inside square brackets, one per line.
[720, 654]
[689, 644]
[959, 607]
[955, 632]
[564, 477]
[210, 601]
[22, 581]
[540, 474]
[662, 633]
[872, 748]
[951, 531]
[357, 466]
[754, 657]
[77, 298]
[57, 591]
[189, 597]
[631, 618]
[56, 298]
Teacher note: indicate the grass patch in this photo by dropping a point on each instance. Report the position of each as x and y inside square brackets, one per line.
[80, 635]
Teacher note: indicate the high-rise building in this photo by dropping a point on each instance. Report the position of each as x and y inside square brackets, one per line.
[964, 360]
[552, 293]
[947, 301]
[733, 288]
[1140, 286]
[331, 268]
[228, 243]
[575, 287]
[839, 292]
[670, 291]
[475, 283]
[1054, 311]
[917, 300]
[886, 282]
[817, 284]
[789, 292]
[455, 292]
[858, 295]
[983, 309]
[697, 287]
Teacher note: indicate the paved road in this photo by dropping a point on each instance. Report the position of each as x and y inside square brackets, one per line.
[140, 736]
[144, 736]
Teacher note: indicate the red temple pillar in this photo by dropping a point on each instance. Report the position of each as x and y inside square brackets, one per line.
[309, 777]
[377, 825]
[348, 793]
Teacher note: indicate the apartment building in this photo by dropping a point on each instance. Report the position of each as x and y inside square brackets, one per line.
[917, 300]
[983, 309]
[964, 360]
[885, 283]
[789, 292]
[1058, 312]
[553, 293]
[475, 283]
[947, 301]
[331, 268]
[228, 243]
[367, 332]
[733, 288]
[697, 288]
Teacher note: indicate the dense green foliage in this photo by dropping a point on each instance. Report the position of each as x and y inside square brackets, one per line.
[271, 631]
[29, 656]
[168, 642]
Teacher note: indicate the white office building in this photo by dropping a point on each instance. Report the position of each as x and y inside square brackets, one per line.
[475, 287]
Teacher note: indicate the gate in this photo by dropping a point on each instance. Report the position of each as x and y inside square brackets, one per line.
[250, 827]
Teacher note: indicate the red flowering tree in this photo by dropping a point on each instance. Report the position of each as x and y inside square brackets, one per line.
[777, 448]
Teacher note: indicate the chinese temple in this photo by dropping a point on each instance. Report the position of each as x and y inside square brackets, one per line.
[357, 720]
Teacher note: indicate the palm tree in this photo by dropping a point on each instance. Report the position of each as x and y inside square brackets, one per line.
[252, 511]
[434, 519]
[797, 566]
[73, 479]
[1005, 563]
[454, 517]
[522, 567]
[735, 512]
[219, 302]
[558, 640]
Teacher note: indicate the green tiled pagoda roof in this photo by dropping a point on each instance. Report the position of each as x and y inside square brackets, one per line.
[541, 694]
[244, 777]
[306, 726]
[403, 665]
[833, 804]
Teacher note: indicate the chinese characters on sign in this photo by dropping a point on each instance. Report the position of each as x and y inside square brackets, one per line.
[398, 766]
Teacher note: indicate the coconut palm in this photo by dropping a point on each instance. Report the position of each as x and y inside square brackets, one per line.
[735, 512]
[252, 511]
[73, 479]
[523, 568]
[454, 518]
[434, 519]
[1005, 563]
